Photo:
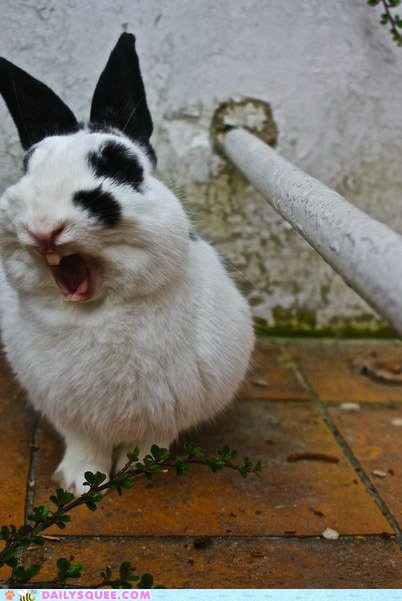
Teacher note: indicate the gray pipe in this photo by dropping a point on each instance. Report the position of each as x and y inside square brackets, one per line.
[366, 253]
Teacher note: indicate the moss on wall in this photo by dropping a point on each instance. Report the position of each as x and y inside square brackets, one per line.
[304, 324]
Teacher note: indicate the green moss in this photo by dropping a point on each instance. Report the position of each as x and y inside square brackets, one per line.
[289, 319]
[303, 323]
[325, 288]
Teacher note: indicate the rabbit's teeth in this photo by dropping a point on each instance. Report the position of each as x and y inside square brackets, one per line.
[53, 259]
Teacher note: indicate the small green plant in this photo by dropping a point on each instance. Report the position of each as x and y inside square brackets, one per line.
[42, 517]
[389, 18]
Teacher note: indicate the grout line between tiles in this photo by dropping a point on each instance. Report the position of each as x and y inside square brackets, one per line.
[367, 405]
[191, 537]
[30, 487]
[321, 408]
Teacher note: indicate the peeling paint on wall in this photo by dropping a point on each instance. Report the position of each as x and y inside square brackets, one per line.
[250, 113]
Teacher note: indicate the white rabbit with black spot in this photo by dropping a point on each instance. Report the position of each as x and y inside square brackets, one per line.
[118, 320]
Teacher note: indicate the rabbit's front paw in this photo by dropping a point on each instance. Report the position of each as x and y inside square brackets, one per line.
[70, 475]
[82, 455]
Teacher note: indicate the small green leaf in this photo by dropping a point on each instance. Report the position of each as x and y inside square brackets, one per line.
[155, 451]
[62, 497]
[242, 471]
[182, 467]
[133, 455]
[193, 451]
[39, 513]
[94, 496]
[146, 581]
[19, 574]
[63, 564]
[127, 483]
[155, 468]
[65, 518]
[126, 573]
[93, 480]
[215, 465]
[5, 533]
[89, 477]
[125, 570]
[38, 540]
[74, 571]
[32, 571]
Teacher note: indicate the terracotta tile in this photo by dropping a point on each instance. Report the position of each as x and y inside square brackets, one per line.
[270, 377]
[333, 369]
[241, 563]
[376, 440]
[16, 434]
[303, 497]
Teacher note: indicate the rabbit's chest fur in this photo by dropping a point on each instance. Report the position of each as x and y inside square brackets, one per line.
[119, 377]
[149, 366]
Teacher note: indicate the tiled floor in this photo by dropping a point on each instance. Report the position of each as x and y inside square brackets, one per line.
[338, 399]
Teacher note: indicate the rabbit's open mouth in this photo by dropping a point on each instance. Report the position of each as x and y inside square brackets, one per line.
[74, 278]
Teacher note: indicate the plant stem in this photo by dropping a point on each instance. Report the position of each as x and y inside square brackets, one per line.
[131, 474]
[392, 21]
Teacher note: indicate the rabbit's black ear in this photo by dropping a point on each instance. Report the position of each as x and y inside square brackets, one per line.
[119, 100]
[35, 108]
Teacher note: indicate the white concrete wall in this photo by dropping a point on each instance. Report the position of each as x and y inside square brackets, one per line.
[333, 78]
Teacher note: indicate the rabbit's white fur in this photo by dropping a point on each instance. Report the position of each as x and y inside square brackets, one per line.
[164, 343]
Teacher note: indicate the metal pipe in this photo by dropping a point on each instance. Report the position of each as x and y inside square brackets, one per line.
[366, 253]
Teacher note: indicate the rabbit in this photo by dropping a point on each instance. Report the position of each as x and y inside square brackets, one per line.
[118, 319]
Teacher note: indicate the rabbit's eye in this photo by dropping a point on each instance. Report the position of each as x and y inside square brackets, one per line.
[99, 204]
[115, 161]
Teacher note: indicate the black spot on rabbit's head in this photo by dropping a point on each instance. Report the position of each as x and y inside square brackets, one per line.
[114, 160]
[99, 204]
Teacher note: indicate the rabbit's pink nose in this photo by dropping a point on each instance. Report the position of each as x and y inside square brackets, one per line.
[45, 241]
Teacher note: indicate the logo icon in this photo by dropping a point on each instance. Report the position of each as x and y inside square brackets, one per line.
[25, 596]
[10, 595]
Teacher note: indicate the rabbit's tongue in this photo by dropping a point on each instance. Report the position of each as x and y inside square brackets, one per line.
[72, 277]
